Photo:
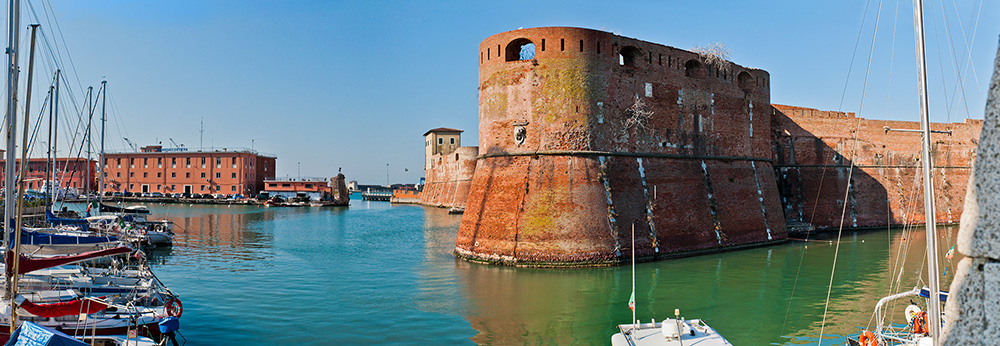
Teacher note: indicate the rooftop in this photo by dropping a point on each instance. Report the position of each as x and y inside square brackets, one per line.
[442, 129]
[184, 150]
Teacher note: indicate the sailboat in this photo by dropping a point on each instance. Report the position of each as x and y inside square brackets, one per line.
[922, 327]
[672, 331]
[132, 313]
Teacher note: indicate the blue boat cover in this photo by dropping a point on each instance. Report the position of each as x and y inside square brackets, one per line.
[30, 334]
[51, 218]
[926, 293]
[169, 324]
[38, 238]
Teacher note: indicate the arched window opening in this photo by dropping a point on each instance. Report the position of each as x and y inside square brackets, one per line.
[745, 80]
[520, 49]
[627, 56]
[693, 69]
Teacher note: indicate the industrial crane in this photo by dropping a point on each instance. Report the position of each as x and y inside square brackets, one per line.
[175, 143]
[131, 144]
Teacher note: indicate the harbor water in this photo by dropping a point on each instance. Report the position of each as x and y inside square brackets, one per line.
[376, 273]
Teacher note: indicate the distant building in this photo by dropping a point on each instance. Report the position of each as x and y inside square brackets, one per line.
[352, 185]
[448, 168]
[71, 173]
[440, 141]
[158, 169]
[316, 189]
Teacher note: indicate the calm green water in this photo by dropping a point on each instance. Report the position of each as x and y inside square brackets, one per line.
[381, 273]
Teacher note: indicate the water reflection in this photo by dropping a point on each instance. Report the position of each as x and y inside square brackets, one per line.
[772, 295]
[232, 238]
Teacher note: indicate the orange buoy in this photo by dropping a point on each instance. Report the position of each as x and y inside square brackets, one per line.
[867, 338]
[920, 323]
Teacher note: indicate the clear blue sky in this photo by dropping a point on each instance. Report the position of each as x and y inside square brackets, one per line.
[355, 84]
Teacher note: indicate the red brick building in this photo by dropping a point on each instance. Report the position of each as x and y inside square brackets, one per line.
[154, 169]
[70, 172]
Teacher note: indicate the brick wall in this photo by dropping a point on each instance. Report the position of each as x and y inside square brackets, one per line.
[814, 150]
[448, 178]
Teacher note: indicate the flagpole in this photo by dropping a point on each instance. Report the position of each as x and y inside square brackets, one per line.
[633, 271]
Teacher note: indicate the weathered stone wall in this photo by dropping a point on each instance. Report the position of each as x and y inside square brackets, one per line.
[448, 178]
[971, 311]
[567, 168]
[813, 152]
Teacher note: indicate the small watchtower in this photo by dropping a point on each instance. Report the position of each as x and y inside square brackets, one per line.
[440, 141]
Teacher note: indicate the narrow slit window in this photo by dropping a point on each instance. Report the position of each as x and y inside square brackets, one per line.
[562, 44]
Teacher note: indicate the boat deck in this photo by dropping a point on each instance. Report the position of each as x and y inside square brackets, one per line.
[650, 334]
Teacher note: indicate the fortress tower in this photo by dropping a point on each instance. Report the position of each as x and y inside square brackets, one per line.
[584, 134]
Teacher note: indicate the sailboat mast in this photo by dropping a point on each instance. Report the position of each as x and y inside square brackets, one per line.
[48, 159]
[100, 163]
[90, 118]
[55, 132]
[934, 303]
[22, 181]
[13, 38]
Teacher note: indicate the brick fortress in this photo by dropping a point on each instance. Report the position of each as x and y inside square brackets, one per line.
[584, 135]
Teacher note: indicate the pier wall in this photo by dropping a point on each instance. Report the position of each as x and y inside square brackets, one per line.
[813, 152]
[448, 178]
[598, 133]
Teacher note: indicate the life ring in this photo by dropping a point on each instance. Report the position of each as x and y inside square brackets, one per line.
[175, 308]
[867, 338]
[920, 323]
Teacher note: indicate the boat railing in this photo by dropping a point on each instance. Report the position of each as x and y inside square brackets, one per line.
[627, 334]
[880, 313]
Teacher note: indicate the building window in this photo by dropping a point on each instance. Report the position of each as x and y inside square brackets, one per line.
[218, 175]
[173, 187]
[131, 163]
[232, 188]
[189, 162]
[286, 185]
[440, 140]
[452, 140]
[203, 162]
[173, 175]
[159, 162]
[187, 175]
[203, 174]
[234, 162]
[173, 162]
[145, 163]
[119, 163]
[131, 186]
[131, 174]
[234, 175]
[145, 175]
[218, 162]
[309, 186]
[272, 185]
[158, 186]
[203, 187]
[119, 174]
[158, 174]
